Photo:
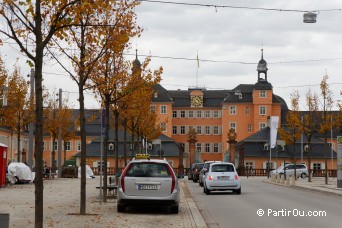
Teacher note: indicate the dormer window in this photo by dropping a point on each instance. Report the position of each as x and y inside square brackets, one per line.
[262, 93]
[155, 94]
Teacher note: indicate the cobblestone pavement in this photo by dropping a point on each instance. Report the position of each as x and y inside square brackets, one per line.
[62, 202]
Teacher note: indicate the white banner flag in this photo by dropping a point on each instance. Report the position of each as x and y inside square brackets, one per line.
[274, 120]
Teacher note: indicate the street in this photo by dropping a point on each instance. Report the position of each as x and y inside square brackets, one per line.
[277, 206]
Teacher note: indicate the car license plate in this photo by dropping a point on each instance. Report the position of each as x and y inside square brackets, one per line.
[223, 178]
[147, 187]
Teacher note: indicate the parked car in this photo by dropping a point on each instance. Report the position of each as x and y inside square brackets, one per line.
[195, 173]
[149, 182]
[201, 175]
[191, 171]
[222, 176]
[301, 170]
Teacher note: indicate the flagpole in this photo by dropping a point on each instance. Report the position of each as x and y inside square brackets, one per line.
[197, 70]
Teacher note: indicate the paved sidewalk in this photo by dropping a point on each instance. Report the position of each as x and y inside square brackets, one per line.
[62, 201]
[316, 184]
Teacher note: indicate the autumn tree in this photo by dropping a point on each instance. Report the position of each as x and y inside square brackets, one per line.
[310, 123]
[3, 86]
[15, 115]
[291, 133]
[326, 118]
[32, 24]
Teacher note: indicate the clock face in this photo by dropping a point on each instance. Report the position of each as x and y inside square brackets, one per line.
[196, 101]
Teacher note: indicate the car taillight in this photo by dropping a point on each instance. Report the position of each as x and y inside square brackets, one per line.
[236, 177]
[196, 170]
[173, 178]
[123, 178]
[210, 177]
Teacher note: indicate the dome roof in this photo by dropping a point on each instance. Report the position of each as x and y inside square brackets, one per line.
[262, 65]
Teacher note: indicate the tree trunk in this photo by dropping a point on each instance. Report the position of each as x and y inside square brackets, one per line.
[18, 130]
[116, 135]
[105, 148]
[53, 154]
[125, 141]
[83, 152]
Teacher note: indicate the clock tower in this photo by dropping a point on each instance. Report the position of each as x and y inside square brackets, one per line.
[196, 99]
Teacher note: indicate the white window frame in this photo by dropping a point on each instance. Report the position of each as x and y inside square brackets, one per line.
[199, 147]
[247, 111]
[174, 130]
[207, 114]
[163, 109]
[78, 145]
[216, 130]
[207, 130]
[262, 125]
[249, 128]
[262, 94]
[216, 148]
[233, 125]
[199, 130]
[174, 114]
[182, 130]
[207, 147]
[182, 114]
[191, 114]
[232, 109]
[262, 110]
[152, 108]
[215, 114]
[199, 114]
[68, 146]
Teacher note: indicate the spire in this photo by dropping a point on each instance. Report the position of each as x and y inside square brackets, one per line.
[262, 67]
[136, 62]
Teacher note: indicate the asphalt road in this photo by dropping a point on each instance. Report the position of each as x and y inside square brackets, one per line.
[278, 206]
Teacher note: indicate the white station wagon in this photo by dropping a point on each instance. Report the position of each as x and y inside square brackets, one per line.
[148, 182]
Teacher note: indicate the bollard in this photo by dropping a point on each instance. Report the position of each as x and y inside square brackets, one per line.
[273, 178]
[287, 181]
[292, 180]
[278, 178]
[4, 220]
[282, 179]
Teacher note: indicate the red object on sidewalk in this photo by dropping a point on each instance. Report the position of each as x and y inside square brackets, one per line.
[3, 164]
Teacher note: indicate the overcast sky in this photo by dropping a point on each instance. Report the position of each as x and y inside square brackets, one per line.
[298, 54]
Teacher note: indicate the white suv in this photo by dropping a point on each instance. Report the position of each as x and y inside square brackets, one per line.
[148, 182]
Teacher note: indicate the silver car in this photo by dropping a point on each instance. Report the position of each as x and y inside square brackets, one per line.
[148, 182]
[222, 176]
[203, 171]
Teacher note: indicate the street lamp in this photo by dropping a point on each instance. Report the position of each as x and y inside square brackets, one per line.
[309, 17]
[158, 141]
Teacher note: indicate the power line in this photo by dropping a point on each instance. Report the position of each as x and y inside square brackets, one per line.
[237, 7]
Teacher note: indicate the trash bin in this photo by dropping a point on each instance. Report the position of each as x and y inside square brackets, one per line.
[4, 220]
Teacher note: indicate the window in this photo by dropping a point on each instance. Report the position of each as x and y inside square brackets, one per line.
[182, 130]
[262, 110]
[191, 114]
[317, 166]
[249, 128]
[199, 114]
[163, 126]
[163, 109]
[78, 145]
[216, 130]
[207, 130]
[174, 130]
[232, 110]
[248, 165]
[44, 145]
[216, 114]
[232, 125]
[247, 111]
[67, 146]
[216, 147]
[174, 114]
[262, 125]
[199, 130]
[262, 93]
[269, 165]
[153, 108]
[182, 114]
[199, 147]
[207, 114]
[207, 147]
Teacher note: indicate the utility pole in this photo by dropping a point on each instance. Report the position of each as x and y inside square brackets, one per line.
[31, 125]
[60, 137]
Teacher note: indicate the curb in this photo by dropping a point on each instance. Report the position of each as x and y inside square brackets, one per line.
[194, 213]
[305, 188]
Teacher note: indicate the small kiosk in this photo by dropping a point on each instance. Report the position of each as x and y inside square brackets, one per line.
[3, 164]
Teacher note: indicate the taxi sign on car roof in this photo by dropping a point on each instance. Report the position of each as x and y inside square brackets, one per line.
[142, 156]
